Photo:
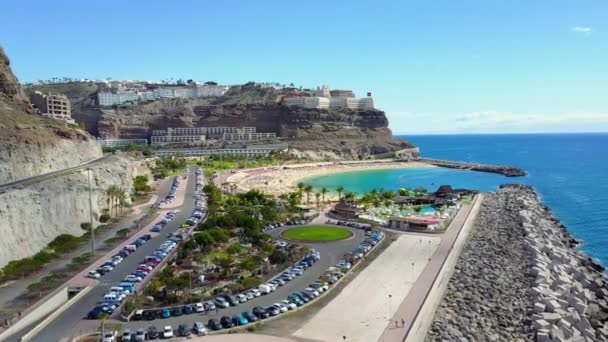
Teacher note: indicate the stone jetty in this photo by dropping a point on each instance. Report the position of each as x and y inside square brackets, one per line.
[505, 170]
[521, 278]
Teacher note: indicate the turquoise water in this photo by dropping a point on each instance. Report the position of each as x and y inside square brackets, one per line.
[569, 171]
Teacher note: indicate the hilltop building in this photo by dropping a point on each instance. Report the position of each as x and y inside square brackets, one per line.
[54, 106]
[134, 95]
[326, 98]
[199, 135]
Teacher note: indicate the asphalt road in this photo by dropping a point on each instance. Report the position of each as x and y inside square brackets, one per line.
[39, 178]
[67, 323]
[330, 254]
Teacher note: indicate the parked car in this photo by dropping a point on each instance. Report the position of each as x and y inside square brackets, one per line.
[168, 332]
[140, 335]
[239, 319]
[177, 311]
[232, 300]
[125, 336]
[138, 315]
[188, 309]
[165, 313]
[150, 315]
[273, 310]
[226, 322]
[199, 307]
[221, 302]
[209, 306]
[214, 324]
[94, 275]
[288, 304]
[260, 312]
[152, 333]
[183, 330]
[249, 316]
[109, 336]
[199, 329]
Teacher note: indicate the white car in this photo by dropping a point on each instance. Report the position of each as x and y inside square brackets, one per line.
[311, 291]
[288, 304]
[109, 336]
[198, 307]
[132, 279]
[94, 275]
[256, 292]
[241, 297]
[281, 307]
[168, 332]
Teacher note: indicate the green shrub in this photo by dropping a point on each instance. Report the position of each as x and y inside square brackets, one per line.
[105, 217]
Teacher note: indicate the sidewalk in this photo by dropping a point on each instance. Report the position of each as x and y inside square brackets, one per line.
[12, 299]
[408, 310]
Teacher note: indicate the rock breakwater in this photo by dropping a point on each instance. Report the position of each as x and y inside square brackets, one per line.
[521, 278]
[509, 171]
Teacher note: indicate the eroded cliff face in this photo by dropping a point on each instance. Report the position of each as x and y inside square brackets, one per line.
[33, 216]
[30, 144]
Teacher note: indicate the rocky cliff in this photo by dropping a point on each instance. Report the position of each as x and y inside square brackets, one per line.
[314, 133]
[33, 216]
[30, 144]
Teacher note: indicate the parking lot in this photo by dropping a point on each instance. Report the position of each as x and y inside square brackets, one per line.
[330, 254]
[73, 316]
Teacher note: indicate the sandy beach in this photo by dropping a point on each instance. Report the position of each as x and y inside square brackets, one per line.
[283, 179]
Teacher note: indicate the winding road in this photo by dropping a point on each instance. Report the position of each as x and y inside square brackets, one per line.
[45, 176]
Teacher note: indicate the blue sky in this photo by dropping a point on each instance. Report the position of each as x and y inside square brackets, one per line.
[434, 66]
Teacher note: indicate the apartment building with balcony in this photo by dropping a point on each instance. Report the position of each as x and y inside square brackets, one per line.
[55, 106]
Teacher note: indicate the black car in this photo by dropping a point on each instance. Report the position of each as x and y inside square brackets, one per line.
[260, 312]
[176, 311]
[188, 309]
[95, 313]
[249, 316]
[226, 322]
[152, 333]
[213, 324]
[232, 300]
[183, 330]
[101, 271]
[150, 315]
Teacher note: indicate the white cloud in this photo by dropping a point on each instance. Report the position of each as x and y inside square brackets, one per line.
[582, 29]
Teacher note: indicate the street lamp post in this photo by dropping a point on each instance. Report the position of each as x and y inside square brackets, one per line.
[389, 306]
[91, 213]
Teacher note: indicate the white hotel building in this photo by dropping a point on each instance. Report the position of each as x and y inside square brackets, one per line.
[324, 100]
[119, 97]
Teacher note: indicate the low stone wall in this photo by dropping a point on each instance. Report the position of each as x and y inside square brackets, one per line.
[521, 278]
[509, 171]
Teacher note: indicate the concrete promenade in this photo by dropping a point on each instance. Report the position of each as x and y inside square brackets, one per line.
[409, 309]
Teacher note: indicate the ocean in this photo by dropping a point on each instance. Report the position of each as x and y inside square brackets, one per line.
[569, 171]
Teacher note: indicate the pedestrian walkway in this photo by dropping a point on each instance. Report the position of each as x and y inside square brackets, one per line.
[405, 316]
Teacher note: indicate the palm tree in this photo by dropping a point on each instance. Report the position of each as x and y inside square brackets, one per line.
[340, 190]
[122, 198]
[300, 188]
[308, 190]
[318, 196]
[323, 192]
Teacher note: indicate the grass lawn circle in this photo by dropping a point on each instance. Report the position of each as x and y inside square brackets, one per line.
[316, 234]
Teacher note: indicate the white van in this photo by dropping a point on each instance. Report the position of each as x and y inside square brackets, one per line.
[265, 289]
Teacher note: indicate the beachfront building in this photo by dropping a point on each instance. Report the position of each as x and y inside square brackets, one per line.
[121, 142]
[55, 106]
[199, 135]
[346, 210]
[416, 223]
[248, 151]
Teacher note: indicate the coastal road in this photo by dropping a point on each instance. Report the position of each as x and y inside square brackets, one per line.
[71, 321]
[330, 254]
[63, 172]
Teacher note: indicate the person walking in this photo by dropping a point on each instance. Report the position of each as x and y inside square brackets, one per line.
[402, 323]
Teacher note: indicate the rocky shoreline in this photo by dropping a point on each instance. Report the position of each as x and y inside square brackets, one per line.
[508, 171]
[521, 278]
